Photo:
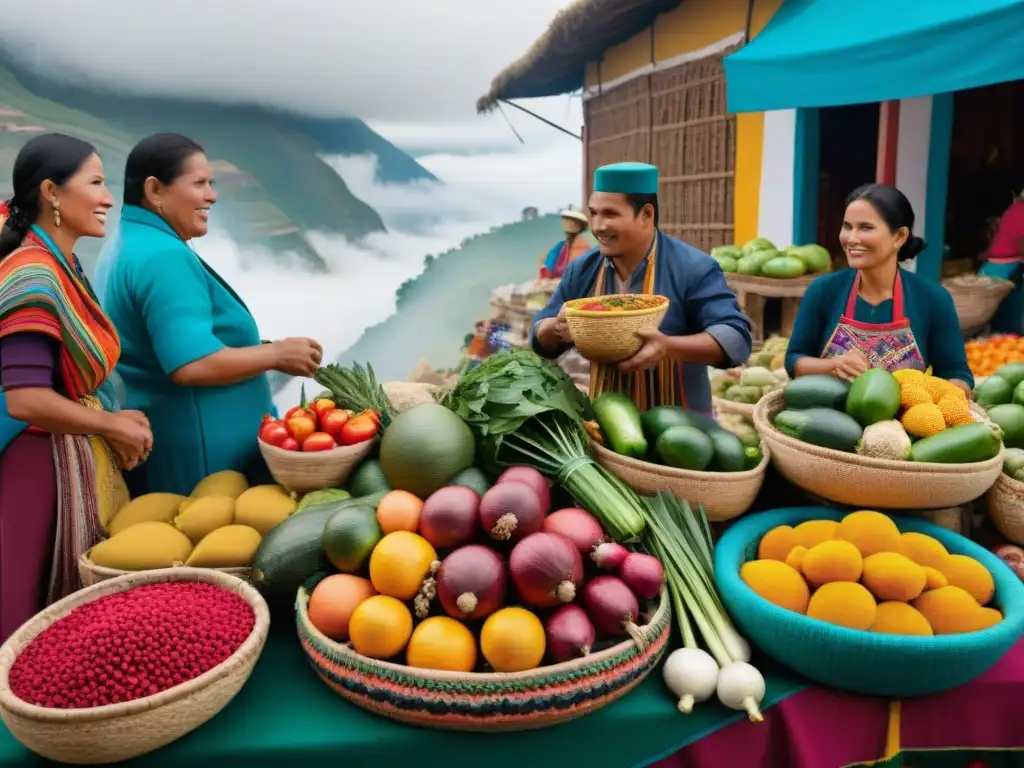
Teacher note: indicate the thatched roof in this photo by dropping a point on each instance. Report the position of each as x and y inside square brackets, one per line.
[556, 63]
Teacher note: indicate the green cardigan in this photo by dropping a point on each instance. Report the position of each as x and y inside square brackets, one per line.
[926, 304]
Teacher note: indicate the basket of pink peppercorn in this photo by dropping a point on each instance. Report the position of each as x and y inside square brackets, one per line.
[131, 664]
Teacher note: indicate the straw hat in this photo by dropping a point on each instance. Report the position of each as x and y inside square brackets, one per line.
[579, 216]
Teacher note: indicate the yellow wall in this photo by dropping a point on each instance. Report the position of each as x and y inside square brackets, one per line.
[692, 26]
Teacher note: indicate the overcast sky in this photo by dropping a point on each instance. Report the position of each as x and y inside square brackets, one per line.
[410, 67]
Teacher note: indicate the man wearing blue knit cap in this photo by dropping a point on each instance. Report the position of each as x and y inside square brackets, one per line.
[703, 326]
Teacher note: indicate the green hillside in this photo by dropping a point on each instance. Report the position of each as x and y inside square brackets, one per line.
[450, 296]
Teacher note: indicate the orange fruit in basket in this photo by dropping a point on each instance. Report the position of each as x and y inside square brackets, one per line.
[442, 643]
[399, 511]
[333, 602]
[380, 627]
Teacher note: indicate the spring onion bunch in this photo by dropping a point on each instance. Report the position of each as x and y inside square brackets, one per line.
[525, 410]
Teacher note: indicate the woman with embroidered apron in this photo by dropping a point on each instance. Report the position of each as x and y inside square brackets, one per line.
[876, 314]
[62, 441]
[703, 326]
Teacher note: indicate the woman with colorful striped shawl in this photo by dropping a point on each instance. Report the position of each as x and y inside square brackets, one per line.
[62, 443]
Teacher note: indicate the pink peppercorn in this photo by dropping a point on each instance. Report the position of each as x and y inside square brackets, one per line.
[131, 644]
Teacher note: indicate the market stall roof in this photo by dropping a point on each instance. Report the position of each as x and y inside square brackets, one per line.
[817, 53]
[557, 61]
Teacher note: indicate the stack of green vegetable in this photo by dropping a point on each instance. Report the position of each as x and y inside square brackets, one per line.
[1002, 395]
[747, 385]
[671, 435]
[862, 417]
[760, 258]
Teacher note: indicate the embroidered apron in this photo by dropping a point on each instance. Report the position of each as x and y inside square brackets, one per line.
[886, 345]
[660, 385]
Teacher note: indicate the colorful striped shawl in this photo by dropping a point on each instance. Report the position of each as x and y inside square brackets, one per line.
[39, 293]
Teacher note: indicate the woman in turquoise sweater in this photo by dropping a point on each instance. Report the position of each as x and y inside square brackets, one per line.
[191, 354]
[875, 314]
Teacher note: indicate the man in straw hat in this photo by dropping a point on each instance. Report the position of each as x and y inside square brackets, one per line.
[703, 326]
[574, 224]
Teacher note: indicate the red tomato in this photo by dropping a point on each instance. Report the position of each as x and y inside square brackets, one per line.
[318, 441]
[301, 427]
[332, 422]
[267, 417]
[321, 408]
[375, 415]
[358, 430]
[289, 445]
[298, 410]
[273, 432]
[594, 307]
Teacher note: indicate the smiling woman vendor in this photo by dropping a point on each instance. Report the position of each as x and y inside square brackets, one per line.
[875, 314]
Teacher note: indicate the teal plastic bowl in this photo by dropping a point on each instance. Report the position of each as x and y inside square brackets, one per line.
[851, 660]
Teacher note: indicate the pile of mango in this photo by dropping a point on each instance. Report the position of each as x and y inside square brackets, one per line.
[863, 574]
[219, 525]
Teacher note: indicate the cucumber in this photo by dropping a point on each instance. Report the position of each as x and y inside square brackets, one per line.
[620, 424]
[728, 451]
[964, 444]
[751, 457]
[293, 550]
[368, 478]
[661, 417]
[874, 396]
[685, 448]
[816, 391]
[995, 390]
[1010, 418]
[824, 427]
[1011, 373]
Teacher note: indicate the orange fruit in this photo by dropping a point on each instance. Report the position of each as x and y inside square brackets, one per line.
[380, 627]
[399, 511]
[334, 600]
[399, 563]
[512, 640]
[442, 643]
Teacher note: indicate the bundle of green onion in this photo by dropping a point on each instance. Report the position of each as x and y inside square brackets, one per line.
[525, 410]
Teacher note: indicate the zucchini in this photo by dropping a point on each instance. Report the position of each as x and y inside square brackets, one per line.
[729, 455]
[661, 417]
[816, 391]
[620, 424]
[963, 444]
[994, 390]
[1011, 373]
[685, 448]
[874, 397]
[824, 427]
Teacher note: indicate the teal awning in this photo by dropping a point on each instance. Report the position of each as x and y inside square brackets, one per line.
[819, 53]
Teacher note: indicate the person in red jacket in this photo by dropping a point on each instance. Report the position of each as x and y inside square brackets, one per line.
[1005, 258]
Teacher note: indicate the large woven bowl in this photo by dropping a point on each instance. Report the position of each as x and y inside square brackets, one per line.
[977, 302]
[610, 337]
[117, 732]
[724, 495]
[1006, 507]
[303, 472]
[90, 573]
[859, 481]
[487, 702]
[878, 664]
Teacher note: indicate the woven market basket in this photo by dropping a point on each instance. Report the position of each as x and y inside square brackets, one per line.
[721, 405]
[610, 337]
[115, 732]
[1006, 507]
[977, 301]
[736, 280]
[303, 472]
[859, 481]
[724, 495]
[865, 662]
[486, 702]
[90, 573]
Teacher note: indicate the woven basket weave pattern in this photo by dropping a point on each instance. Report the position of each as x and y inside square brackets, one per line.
[90, 573]
[1006, 507]
[485, 702]
[611, 337]
[976, 304]
[859, 481]
[724, 495]
[864, 662]
[303, 472]
[122, 731]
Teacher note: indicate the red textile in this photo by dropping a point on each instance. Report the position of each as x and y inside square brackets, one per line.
[1008, 243]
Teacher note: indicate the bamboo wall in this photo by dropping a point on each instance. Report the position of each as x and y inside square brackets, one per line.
[676, 120]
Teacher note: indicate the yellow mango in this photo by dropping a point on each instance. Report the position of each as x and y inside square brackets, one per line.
[952, 611]
[869, 532]
[150, 508]
[205, 515]
[777, 543]
[813, 532]
[263, 507]
[777, 583]
[143, 547]
[226, 483]
[970, 575]
[232, 546]
[923, 549]
[845, 603]
[895, 618]
[834, 560]
[892, 576]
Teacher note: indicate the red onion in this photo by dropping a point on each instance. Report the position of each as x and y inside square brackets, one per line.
[609, 555]
[577, 525]
[613, 607]
[1013, 556]
[546, 569]
[570, 633]
[471, 582]
[450, 517]
[643, 574]
[511, 511]
[531, 477]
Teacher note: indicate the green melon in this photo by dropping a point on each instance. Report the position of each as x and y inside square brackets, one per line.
[350, 536]
[472, 478]
[424, 448]
[368, 478]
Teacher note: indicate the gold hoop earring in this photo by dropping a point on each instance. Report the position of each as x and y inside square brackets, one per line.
[56, 213]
